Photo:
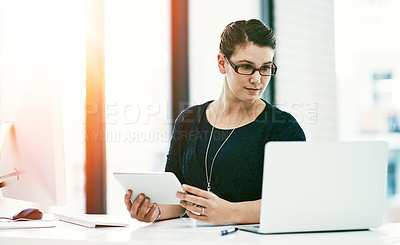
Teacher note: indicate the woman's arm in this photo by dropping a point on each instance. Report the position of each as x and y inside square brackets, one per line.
[216, 210]
[170, 211]
[247, 212]
[208, 207]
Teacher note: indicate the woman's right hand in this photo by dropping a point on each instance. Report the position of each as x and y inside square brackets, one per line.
[141, 208]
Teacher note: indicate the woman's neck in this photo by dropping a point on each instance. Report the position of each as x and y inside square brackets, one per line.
[232, 107]
[230, 104]
[227, 114]
[228, 111]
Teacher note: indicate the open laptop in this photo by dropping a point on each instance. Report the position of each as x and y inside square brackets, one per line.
[322, 186]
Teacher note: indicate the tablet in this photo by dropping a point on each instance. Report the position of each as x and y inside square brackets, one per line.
[160, 187]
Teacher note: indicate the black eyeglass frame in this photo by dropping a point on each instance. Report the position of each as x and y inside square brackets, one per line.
[274, 69]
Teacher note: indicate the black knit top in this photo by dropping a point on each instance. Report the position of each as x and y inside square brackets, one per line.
[238, 168]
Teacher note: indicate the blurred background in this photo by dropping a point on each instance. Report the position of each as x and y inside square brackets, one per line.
[338, 75]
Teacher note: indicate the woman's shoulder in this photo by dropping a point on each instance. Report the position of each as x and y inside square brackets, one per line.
[273, 112]
[192, 113]
[281, 123]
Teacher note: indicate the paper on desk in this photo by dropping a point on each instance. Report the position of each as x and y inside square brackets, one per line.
[11, 225]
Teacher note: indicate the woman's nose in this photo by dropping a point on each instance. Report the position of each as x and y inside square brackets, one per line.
[256, 77]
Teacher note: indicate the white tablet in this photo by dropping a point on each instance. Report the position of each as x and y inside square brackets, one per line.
[160, 187]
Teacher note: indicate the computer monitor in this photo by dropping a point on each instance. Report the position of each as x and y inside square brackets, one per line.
[32, 155]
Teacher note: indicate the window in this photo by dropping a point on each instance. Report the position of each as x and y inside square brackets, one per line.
[367, 55]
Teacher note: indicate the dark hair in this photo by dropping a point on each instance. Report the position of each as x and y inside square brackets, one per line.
[242, 32]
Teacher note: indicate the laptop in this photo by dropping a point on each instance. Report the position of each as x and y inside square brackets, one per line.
[322, 186]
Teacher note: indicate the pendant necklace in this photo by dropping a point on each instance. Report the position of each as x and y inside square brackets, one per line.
[208, 178]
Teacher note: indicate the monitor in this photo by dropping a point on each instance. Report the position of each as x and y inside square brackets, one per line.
[32, 152]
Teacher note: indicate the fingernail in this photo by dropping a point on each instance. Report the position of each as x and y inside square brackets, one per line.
[140, 197]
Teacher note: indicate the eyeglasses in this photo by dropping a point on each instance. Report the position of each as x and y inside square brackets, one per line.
[267, 70]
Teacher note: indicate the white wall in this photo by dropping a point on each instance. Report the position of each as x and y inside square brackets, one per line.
[305, 82]
[138, 117]
[207, 20]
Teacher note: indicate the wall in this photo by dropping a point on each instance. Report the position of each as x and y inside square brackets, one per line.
[305, 82]
[207, 20]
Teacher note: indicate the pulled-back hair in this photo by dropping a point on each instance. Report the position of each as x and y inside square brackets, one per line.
[241, 32]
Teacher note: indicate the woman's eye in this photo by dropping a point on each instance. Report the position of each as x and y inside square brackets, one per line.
[265, 68]
[247, 67]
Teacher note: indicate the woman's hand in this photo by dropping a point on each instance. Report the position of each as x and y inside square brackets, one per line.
[206, 206]
[141, 208]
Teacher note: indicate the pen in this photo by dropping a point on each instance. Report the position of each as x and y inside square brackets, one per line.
[229, 231]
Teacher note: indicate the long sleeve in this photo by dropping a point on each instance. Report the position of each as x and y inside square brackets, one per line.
[173, 157]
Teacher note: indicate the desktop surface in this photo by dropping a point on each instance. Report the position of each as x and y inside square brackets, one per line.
[188, 231]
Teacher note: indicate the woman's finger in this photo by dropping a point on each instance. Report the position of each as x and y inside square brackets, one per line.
[152, 215]
[127, 199]
[143, 209]
[136, 205]
[192, 199]
[196, 209]
[197, 217]
[196, 191]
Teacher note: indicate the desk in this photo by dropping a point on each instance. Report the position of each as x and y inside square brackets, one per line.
[187, 231]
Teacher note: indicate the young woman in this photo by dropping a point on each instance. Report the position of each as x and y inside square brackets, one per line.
[217, 148]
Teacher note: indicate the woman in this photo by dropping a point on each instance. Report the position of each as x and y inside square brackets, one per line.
[217, 148]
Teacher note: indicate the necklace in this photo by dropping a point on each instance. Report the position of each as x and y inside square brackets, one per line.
[208, 178]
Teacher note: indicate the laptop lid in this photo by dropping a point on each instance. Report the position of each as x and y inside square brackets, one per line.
[323, 186]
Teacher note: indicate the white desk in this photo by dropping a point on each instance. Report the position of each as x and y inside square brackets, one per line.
[187, 231]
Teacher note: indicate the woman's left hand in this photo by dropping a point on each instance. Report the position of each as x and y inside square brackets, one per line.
[206, 206]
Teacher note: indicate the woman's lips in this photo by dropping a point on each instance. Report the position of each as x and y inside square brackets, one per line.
[253, 89]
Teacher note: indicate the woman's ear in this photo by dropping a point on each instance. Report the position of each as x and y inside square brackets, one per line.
[221, 63]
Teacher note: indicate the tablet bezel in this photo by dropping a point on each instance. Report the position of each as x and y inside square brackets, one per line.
[160, 187]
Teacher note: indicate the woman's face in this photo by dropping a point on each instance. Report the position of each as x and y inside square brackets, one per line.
[246, 87]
